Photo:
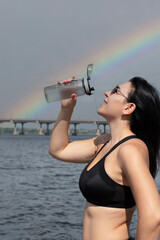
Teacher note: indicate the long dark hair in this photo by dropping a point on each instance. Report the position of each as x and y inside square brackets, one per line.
[145, 120]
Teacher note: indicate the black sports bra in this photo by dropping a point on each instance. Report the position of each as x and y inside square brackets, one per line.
[99, 189]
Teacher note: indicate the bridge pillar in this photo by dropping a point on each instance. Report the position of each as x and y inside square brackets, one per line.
[47, 129]
[69, 132]
[75, 129]
[104, 128]
[98, 133]
[15, 132]
[22, 129]
[41, 130]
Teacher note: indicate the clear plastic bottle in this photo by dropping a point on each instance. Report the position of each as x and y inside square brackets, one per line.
[65, 90]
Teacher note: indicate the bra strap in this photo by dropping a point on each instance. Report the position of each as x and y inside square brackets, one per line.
[120, 142]
[101, 148]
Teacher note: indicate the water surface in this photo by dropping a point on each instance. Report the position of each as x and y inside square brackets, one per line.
[39, 196]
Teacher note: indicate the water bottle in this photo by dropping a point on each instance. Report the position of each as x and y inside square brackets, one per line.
[65, 90]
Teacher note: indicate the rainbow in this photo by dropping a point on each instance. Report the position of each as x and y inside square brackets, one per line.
[128, 48]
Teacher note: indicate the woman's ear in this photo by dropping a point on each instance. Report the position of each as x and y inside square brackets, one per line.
[129, 108]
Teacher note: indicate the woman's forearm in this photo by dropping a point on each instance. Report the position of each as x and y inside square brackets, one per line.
[59, 138]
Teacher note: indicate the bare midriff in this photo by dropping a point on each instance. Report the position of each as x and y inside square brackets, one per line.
[106, 223]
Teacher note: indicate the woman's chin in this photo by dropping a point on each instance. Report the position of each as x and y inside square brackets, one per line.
[101, 113]
[101, 110]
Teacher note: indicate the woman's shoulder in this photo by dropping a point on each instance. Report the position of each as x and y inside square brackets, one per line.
[101, 140]
[134, 144]
[134, 149]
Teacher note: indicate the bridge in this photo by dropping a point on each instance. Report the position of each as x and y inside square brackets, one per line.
[41, 122]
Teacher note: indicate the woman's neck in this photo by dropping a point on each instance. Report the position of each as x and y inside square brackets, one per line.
[119, 130]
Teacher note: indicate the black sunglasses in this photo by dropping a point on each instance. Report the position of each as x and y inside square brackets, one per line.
[116, 90]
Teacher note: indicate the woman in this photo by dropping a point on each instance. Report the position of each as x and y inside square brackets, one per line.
[124, 162]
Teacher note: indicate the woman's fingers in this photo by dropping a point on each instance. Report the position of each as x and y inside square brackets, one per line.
[67, 81]
[72, 101]
[73, 96]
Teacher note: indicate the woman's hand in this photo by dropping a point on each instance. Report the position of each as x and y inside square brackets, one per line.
[71, 102]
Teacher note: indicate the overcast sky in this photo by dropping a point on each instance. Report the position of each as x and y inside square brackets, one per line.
[43, 41]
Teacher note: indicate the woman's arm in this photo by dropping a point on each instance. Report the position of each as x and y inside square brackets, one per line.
[135, 164]
[60, 147]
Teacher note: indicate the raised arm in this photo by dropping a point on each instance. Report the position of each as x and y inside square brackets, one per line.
[135, 164]
[60, 147]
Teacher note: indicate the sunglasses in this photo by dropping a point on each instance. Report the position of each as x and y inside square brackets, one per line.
[116, 90]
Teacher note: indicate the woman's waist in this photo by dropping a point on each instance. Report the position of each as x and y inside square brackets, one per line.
[108, 216]
[104, 223]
